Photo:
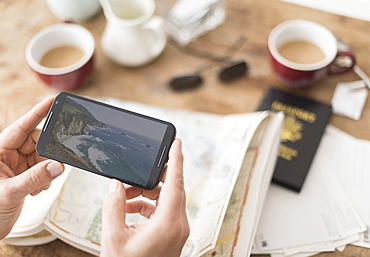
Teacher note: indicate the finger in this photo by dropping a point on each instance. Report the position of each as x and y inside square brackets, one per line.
[114, 228]
[34, 193]
[46, 187]
[143, 208]
[16, 134]
[28, 145]
[28, 157]
[133, 192]
[35, 178]
[163, 178]
[26, 162]
[173, 193]
[114, 209]
[152, 194]
[32, 159]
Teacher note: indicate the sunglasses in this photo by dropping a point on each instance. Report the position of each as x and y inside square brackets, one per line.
[226, 74]
[232, 71]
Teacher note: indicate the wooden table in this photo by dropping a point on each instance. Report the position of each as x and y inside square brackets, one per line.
[252, 19]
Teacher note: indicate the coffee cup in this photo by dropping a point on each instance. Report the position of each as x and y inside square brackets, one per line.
[74, 10]
[303, 52]
[62, 55]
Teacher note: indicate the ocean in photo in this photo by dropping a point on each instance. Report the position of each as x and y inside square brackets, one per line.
[116, 152]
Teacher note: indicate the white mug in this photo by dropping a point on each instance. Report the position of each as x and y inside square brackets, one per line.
[66, 78]
[302, 75]
[133, 36]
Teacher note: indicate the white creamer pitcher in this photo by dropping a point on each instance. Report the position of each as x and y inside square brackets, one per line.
[133, 36]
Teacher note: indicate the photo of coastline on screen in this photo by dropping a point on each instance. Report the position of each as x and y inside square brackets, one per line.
[105, 140]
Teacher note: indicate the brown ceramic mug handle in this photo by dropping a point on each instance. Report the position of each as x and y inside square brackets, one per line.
[336, 68]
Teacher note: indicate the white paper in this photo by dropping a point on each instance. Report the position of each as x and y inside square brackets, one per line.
[260, 180]
[321, 212]
[294, 255]
[349, 99]
[322, 247]
[351, 162]
[309, 250]
[42, 237]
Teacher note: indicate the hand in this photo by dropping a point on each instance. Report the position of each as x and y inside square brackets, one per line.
[22, 170]
[166, 230]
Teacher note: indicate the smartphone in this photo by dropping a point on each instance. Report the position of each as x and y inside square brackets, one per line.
[106, 140]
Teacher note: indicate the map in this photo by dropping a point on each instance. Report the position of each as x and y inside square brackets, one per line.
[214, 148]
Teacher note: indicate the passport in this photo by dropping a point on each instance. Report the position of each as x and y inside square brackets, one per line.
[304, 124]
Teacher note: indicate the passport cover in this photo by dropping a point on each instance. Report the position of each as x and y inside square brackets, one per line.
[304, 124]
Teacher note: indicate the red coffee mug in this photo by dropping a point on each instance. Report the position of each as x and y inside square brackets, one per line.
[70, 77]
[298, 75]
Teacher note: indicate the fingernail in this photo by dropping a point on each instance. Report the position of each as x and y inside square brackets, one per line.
[113, 186]
[54, 169]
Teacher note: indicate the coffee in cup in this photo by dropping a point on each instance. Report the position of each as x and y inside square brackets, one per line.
[303, 52]
[62, 55]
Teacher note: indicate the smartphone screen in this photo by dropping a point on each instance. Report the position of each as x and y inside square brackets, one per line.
[106, 140]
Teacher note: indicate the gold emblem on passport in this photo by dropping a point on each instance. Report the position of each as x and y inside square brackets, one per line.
[292, 129]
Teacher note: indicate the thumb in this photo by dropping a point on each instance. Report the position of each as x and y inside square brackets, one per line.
[35, 178]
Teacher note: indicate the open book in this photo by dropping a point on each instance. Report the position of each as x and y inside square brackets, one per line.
[229, 161]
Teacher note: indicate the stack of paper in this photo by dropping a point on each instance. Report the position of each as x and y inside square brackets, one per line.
[324, 215]
[351, 163]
